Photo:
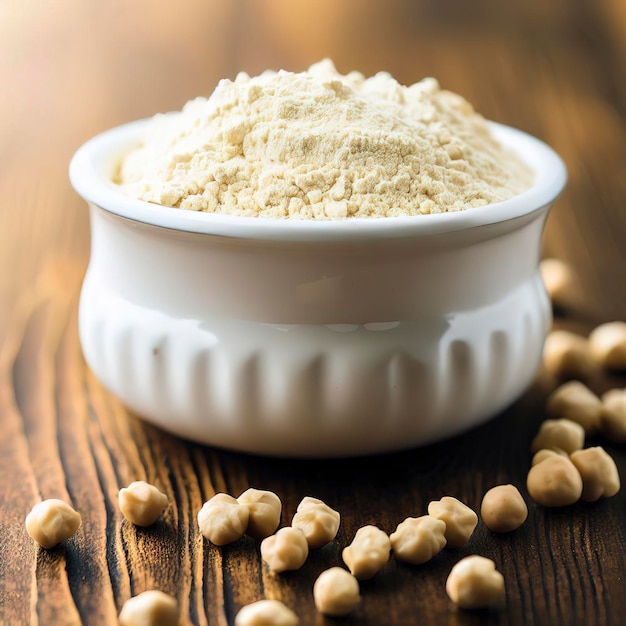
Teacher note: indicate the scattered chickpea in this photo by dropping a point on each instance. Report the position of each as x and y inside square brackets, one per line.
[460, 520]
[141, 503]
[554, 482]
[598, 472]
[545, 453]
[503, 509]
[266, 613]
[418, 539]
[559, 281]
[150, 608]
[563, 434]
[265, 508]
[317, 521]
[568, 355]
[475, 583]
[576, 402]
[286, 550]
[613, 415]
[608, 345]
[222, 519]
[336, 592]
[368, 552]
[52, 521]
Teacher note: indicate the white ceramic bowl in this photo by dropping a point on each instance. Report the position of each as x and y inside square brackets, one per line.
[308, 338]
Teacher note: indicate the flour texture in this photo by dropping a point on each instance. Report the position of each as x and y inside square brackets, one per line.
[322, 145]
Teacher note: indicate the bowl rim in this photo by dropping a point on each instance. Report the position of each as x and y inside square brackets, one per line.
[93, 166]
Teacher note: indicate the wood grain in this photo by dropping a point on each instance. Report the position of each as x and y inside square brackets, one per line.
[71, 69]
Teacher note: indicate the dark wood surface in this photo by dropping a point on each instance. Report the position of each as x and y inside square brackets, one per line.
[70, 69]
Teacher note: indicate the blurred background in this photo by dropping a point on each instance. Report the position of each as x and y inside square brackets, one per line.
[72, 68]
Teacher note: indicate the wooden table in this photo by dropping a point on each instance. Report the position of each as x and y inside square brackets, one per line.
[71, 69]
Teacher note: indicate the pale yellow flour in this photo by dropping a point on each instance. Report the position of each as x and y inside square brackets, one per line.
[320, 145]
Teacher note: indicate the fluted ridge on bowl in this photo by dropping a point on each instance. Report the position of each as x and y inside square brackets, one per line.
[260, 387]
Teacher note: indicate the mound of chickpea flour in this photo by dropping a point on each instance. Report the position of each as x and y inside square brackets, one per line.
[320, 145]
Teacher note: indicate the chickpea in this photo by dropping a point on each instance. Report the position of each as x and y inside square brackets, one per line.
[608, 345]
[265, 509]
[286, 550]
[559, 281]
[266, 613]
[613, 415]
[545, 453]
[222, 519]
[418, 539]
[568, 355]
[336, 592]
[368, 552]
[576, 402]
[150, 608]
[317, 521]
[475, 583]
[563, 434]
[52, 521]
[554, 482]
[460, 520]
[141, 503]
[503, 509]
[598, 472]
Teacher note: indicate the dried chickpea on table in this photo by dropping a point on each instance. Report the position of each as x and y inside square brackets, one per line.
[564, 471]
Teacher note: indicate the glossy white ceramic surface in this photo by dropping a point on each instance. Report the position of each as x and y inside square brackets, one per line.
[313, 338]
